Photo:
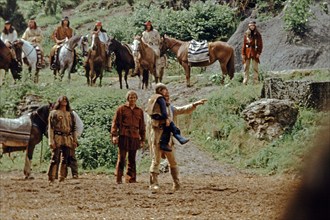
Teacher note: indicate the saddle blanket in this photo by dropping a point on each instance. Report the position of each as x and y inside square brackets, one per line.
[198, 51]
[15, 131]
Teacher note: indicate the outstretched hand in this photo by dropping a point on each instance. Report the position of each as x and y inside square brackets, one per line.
[200, 102]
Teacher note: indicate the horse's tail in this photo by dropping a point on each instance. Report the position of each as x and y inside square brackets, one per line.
[231, 64]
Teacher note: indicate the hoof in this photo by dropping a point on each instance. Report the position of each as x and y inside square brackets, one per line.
[29, 178]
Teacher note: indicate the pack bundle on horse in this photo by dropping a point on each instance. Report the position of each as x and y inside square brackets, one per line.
[146, 60]
[96, 61]
[30, 57]
[124, 58]
[218, 51]
[24, 133]
[8, 62]
[66, 57]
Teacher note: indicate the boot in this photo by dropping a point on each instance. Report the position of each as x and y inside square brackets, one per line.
[119, 176]
[154, 181]
[177, 134]
[164, 140]
[175, 177]
[73, 68]
[52, 172]
[39, 58]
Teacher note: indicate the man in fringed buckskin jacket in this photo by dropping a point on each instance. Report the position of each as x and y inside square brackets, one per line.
[251, 51]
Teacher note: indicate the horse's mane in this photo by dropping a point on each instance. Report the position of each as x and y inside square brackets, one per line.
[39, 117]
[2, 44]
[73, 40]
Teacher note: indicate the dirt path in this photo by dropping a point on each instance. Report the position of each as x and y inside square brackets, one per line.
[210, 190]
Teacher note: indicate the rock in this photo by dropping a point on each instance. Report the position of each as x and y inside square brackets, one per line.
[269, 118]
[281, 53]
[29, 103]
[304, 93]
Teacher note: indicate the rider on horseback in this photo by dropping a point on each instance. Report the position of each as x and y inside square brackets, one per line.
[60, 35]
[8, 36]
[34, 35]
[151, 37]
[103, 36]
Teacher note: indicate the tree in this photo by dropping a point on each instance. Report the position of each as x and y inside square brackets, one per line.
[11, 12]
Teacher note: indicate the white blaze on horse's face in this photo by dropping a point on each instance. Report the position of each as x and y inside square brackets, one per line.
[93, 40]
[135, 46]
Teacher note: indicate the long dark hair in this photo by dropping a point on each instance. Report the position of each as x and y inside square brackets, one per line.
[63, 22]
[35, 25]
[102, 30]
[11, 30]
[151, 27]
[58, 103]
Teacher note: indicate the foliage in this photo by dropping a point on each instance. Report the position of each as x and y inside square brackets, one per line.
[268, 9]
[296, 16]
[224, 132]
[203, 21]
[95, 148]
[10, 11]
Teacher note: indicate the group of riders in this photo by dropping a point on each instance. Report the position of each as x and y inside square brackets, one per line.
[64, 32]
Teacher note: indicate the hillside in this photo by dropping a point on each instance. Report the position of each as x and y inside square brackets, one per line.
[280, 52]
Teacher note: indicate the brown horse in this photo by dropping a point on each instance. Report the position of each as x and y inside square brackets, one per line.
[96, 61]
[9, 138]
[146, 61]
[8, 62]
[218, 50]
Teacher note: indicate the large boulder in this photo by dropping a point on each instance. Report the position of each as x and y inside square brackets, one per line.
[267, 119]
[304, 93]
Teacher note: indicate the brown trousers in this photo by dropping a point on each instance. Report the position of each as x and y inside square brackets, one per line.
[59, 157]
[131, 166]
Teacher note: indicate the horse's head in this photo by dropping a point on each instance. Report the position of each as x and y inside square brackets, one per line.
[74, 41]
[41, 114]
[164, 44]
[95, 42]
[17, 47]
[112, 44]
[84, 45]
[136, 45]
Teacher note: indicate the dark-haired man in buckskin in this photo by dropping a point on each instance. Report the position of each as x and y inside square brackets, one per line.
[251, 51]
[62, 138]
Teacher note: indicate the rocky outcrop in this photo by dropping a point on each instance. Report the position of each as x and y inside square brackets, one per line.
[304, 93]
[267, 119]
[282, 53]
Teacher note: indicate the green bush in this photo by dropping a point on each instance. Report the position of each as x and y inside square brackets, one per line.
[296, 16]
[203, 21]
[95, 149]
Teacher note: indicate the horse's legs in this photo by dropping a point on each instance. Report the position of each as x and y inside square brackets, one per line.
[224, 72]
[36, 76]
[125, 77]
[27, 167]
[62, 73]
[28, 160]
[186, 68]
[161, 73]
[119, 71]
[101, 76]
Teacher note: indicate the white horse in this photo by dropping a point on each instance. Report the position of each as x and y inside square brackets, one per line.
[30, 57]
[66, 56]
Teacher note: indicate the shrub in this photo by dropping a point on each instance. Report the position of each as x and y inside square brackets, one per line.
[95, 148]
[296, 16]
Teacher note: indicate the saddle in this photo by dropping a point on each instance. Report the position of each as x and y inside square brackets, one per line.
[198, 51]
[15, 132]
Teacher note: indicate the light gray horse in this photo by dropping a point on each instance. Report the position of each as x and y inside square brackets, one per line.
[66, 56]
